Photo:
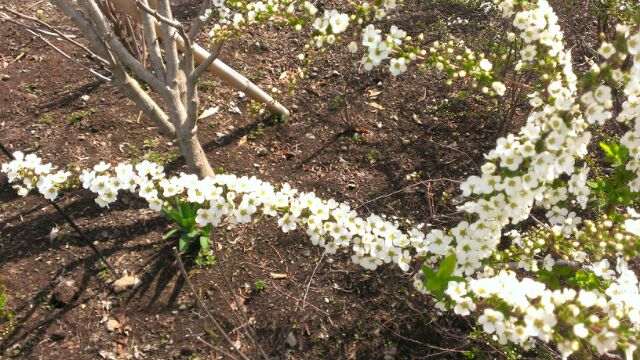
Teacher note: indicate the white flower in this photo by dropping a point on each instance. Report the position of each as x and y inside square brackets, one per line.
[492, 321]
[604, 341]
[606, 50]
[580, 330]
[499, 88]
[485, 65]
[339, 22]
[398, 66]
[287, 223]
[464, 306]
[632, 226]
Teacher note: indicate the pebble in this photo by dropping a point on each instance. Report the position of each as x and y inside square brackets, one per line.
[112, 325]
[291, 340]
[406, 141]
[6, 77]
[126, 282]
[344, 148]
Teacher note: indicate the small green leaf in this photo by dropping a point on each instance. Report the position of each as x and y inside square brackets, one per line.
[447, 267]
[204, 243]
[193, 233]
[183, 243]
[169, 234]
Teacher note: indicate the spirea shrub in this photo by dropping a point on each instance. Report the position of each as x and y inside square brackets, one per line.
[565, 280]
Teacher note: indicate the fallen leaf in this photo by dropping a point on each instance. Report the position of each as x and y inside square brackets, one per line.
[376, 105]
[374, 93]
[210, 111]
[243, 140]
[278, 276]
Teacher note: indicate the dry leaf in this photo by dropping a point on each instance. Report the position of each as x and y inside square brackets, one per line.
[376, 105]
[278, 276]
[243, 140]
[374, 93]
[210, 111]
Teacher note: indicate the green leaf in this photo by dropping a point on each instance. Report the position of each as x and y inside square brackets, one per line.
[193, 233]
[607, 148]
[183, 243]
[447, 267]
[204, 243]
[169, 234]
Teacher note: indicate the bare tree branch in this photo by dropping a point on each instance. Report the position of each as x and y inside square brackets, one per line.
[155, 56]
[170, 48]
[205, 64]
[106, 32]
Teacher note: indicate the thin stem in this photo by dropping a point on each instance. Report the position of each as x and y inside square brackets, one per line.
[183, 271]
[55, 31]
[238, 305]
[95, 73]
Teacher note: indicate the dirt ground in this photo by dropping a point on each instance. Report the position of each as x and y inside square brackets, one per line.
[395, 146]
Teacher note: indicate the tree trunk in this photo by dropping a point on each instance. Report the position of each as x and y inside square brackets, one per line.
[193, 153]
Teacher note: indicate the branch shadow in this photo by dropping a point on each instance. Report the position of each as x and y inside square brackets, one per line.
[158, 279]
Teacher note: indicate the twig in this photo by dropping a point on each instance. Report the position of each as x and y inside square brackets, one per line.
[66, 37]
[216, 348]
[404, 189]
[306, 291]
[249, 330]
[183, 271]
[95, 73]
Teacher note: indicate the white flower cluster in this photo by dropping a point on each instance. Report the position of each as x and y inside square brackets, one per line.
[631, 106]
[534, 310]
[28, 172]
[231, 199]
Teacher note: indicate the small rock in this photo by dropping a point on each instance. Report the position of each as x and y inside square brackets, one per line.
[406, 141]
[85, 98]
[81, 137]
[112, 325]
[310, 136]
[291, 340]
[335, 73]
[344, 148]
[63, 295]
[6, 77]
[351, 186]
[313, 75]
[126, 282]
[262, 151]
